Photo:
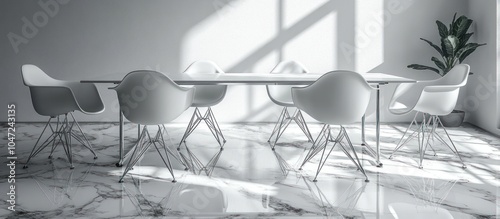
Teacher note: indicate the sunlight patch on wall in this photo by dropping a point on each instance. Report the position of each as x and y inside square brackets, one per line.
[232, 34]
[315, 47]
[252, 36]
[369, 34]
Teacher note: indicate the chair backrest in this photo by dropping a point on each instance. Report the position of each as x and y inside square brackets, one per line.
[281, 94]
[50, 97]
[336, 98]
[457, 76]
[203, 67]
[408, 97]
[441, 98]
[209, 94]
[151, 98]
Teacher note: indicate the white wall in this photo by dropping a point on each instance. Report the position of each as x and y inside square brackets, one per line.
[498, 65]
[481, 100]
[86, 39]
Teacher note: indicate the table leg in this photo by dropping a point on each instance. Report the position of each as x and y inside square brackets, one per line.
[120, 162]
[377, 127]
[363, 139]
[373, 153]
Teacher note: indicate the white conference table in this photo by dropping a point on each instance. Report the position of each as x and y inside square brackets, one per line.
[376, 79]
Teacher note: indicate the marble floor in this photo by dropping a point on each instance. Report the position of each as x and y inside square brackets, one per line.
[249, 180]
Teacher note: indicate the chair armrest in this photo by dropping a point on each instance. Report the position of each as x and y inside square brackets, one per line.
[87, 97]
[440, 88]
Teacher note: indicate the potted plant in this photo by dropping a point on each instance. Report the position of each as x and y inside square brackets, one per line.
[454, 50]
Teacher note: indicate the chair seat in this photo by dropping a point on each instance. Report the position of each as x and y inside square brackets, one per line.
[399, 108]
[204, 102]
[283, 103]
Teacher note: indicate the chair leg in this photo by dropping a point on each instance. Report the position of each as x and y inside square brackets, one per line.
[211, 122]
[213, 125]
[404, 141]
[284, 120]
[429, 128]
[453, 148]
[63, 134]
[142, 145]
[317, 145]
[321, 143]
[427, 133]
[324, 158]
[42, 146]
[301, 122]
[356, 162]
[160, 140]
[85, 141]
[193, 123]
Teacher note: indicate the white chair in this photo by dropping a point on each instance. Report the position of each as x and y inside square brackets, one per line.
[205, 96]
[151, 98]
[336, 98]
[437, 98]
[56, 99]
[282, 96]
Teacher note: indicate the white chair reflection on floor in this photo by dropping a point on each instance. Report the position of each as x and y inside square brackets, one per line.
[336, 98]
[282, 96]
[437, 98]
[205, 96]
[56, 99]
[183, 198]
[58, 184]
[160, 101]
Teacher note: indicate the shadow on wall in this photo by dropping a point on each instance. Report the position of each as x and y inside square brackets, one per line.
[72, 40]
[286, 35]
[288, 30]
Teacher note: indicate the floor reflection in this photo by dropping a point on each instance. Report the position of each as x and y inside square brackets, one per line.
[59, 183]
[249, 180]
[203, 163]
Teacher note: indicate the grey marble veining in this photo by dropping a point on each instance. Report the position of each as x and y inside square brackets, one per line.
[250, 180]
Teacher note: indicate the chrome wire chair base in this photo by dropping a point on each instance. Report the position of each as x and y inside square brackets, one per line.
[321, 143]
[62, 133]
[211, 122]
[141, 147]
[427, 133]
[283, 121]
[194, 164]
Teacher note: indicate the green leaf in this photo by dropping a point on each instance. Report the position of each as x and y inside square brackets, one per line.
[422, 67]
[449, 45]
[438, 63]
[434, 46]
[461, 26]
[443, 31]
[467, 50]
[452, 22]
[464, 40]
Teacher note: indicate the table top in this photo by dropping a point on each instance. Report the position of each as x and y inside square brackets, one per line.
[253, 78]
